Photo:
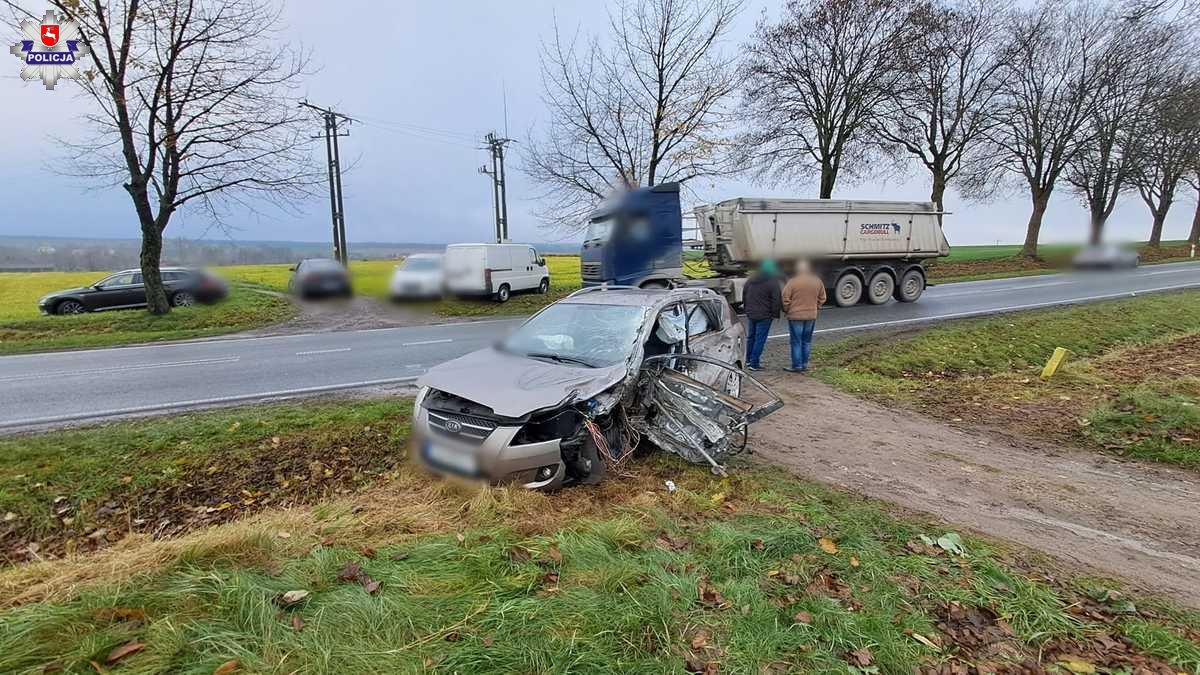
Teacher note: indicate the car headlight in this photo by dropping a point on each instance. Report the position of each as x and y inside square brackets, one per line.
[421, 394]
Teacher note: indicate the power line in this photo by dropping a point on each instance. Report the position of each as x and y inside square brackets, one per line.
[336, 209]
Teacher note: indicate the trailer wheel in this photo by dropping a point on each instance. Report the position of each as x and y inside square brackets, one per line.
[848, 291]
[881, 288]
[912, 285]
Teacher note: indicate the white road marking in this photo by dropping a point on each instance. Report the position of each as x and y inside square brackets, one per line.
[1150, 274]
[118, 369]
[995, 310]
[32, 421]
[323, 351]
[426, 342]
[1009, 289]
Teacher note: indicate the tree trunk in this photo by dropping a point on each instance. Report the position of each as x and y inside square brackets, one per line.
[156, 295]
[1040, 201]
[938, 193]
[828, 177]
[1194, 237]
[1096, 225]
[1156, 228]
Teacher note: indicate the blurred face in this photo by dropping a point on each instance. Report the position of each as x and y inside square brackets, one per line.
[803, 267]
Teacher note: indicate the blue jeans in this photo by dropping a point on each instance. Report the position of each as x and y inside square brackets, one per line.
[802, 336]
[756, 339]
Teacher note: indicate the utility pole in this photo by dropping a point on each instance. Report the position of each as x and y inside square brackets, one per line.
[495, 145]
[336, 210]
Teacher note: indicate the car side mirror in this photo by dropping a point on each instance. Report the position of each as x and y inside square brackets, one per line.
[291, 269]
[541, 262]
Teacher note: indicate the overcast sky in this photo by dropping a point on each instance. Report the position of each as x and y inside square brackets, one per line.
[440, 66]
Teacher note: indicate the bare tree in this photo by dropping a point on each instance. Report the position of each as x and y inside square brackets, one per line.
[813, 81]
[1194, 180]
[645, 106]
[1170, 153]
[1141, 54]
[952, 69]
[193, 108]
[1048, 92]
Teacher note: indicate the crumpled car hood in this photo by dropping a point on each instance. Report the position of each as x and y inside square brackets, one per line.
[514, 386]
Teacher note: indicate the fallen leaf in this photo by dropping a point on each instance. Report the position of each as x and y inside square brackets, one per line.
[131, 647]
[297, 623]
[452, 637]
[226, 668]
[292, 597]
[553, 554]
[805, 618]
[460, 537]
[351, 572]
[828, 546]
[1079, 667]
[861, 657]
[854, 562]
[53, 667]
[700, 641]
[925, 641]
[371, 585]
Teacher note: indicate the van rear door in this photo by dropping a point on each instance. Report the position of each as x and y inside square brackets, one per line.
[464, 269]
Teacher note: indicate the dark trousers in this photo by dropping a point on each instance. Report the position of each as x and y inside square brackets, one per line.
[756, 339]
[801, 331]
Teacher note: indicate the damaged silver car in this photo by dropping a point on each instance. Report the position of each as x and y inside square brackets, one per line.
[583, 383]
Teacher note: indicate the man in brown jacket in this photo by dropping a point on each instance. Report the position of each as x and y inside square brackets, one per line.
[802, 299]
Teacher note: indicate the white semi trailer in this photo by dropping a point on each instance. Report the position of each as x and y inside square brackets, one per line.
[866, 251]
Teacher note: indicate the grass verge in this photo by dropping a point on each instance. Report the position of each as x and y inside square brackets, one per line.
[755, 573]
[1130, 386]
[23, 330]
[79, 490]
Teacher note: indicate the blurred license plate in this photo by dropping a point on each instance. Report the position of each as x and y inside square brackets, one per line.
[461, 461]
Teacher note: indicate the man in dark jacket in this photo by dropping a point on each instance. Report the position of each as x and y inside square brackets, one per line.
[762, 301]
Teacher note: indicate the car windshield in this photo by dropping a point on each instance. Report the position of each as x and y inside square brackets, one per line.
[599, 229]
[584, 334]
[421, 264]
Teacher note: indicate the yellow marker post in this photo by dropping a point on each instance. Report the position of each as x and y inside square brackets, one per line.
[1056, 359]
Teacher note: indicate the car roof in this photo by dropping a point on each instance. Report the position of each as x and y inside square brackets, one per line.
[423, 255]
[638, 297]
[161, 269]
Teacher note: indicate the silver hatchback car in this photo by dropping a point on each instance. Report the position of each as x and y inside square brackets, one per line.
[582, 383]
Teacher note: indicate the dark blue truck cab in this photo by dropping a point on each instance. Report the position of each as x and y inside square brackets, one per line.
[635, 239]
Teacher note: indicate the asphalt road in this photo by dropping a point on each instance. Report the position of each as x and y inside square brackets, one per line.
[53, 388]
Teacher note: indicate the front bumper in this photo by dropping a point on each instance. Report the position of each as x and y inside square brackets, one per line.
[488, 454]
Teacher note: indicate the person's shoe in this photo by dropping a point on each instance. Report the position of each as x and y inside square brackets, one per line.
[754, 368]
[793, 369]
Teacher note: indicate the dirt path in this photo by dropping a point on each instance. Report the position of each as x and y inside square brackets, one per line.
[1124, 519]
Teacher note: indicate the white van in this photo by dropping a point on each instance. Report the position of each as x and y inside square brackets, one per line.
[498, 270]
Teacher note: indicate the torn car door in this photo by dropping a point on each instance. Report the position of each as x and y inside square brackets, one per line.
[694, 420]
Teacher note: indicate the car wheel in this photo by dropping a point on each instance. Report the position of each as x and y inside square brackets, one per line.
[502, 293]
[912, 285]
[183, 299]
[69, 307]
[881, 288]
[849, 290]
[544, 287]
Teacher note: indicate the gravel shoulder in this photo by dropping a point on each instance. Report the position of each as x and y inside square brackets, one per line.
[1120, 518]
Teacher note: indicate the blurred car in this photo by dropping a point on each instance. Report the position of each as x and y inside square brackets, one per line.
[125, 290]
[1105, 256]
[419, 276]
[320, 278]
[571, 391]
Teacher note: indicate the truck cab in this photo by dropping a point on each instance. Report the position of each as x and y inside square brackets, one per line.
[635, 239]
